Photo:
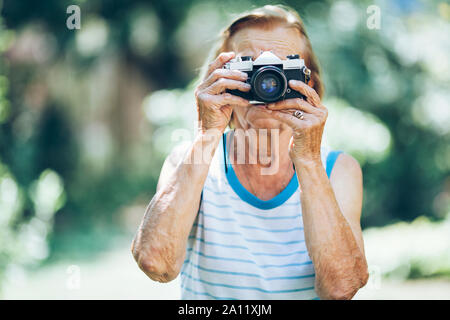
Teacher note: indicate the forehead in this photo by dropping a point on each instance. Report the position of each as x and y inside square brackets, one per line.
[281, 40]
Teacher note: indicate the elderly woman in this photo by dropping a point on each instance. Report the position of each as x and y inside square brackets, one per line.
[229, 228]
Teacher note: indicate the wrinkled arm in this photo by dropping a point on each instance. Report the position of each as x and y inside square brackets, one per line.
[160, 242]
[331, 217]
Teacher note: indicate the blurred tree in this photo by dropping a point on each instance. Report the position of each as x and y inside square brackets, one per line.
[28, 200]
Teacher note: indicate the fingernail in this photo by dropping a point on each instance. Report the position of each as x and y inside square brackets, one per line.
[244, 75]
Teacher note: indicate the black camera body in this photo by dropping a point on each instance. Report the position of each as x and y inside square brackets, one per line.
[268, 77]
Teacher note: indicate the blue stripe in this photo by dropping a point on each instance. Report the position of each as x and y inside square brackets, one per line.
[217, 205]
[247, 214]
[255, 254]
[250, 214]
[292, 204]
[217, 218]
[245, 248]
[206, 294]
[219, 193]
[245, 227]
[249, 227]
[278, 254]
[233, 273]
[215, 230]
[272, 230]
[218, 244]
[214, 284]
[265, 266]
[266, 218]
[255, 241]
[286, 265]
[275, 242]
[221, 258]
[235, 259]
[331, 159]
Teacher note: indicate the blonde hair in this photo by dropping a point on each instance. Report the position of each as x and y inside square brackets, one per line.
[269, 16]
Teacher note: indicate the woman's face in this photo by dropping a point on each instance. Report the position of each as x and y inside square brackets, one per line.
[252, 41]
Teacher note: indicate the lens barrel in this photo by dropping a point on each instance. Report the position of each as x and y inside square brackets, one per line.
[269, 84]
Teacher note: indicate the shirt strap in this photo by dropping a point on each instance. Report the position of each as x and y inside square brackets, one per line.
[331, 159]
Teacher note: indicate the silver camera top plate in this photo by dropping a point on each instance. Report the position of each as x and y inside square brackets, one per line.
[265, 58]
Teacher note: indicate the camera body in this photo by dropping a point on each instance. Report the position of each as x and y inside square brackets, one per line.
[268, 77]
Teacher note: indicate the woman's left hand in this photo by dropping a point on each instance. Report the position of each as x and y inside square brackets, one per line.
[307, 131]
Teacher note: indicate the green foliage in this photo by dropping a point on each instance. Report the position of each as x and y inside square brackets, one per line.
[410, 250]
[26, 209]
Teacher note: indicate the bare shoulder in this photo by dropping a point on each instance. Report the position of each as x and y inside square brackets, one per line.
[347, 183]
[346, 167]
[172, 160]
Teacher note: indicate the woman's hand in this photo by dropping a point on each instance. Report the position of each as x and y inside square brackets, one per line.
[214, 105]
[307, 132]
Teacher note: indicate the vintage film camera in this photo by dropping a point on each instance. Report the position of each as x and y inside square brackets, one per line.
[268, 76]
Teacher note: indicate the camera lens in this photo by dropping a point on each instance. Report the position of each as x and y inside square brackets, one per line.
[269, 84]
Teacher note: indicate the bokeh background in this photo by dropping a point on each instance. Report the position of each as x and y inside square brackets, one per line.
[87, 117]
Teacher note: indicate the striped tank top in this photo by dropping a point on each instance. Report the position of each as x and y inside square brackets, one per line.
[241, 247]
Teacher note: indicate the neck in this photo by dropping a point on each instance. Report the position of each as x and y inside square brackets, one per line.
[261, 160]
[262, 149]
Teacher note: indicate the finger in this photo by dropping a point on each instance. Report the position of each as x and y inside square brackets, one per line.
[228, 99]
[296, 103]
[222, 84]
[224, 73]
[288, 118]
[219, 62]
[305, 117]
[310, 93]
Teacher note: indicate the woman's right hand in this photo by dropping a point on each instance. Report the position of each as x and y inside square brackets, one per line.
[214, 105]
